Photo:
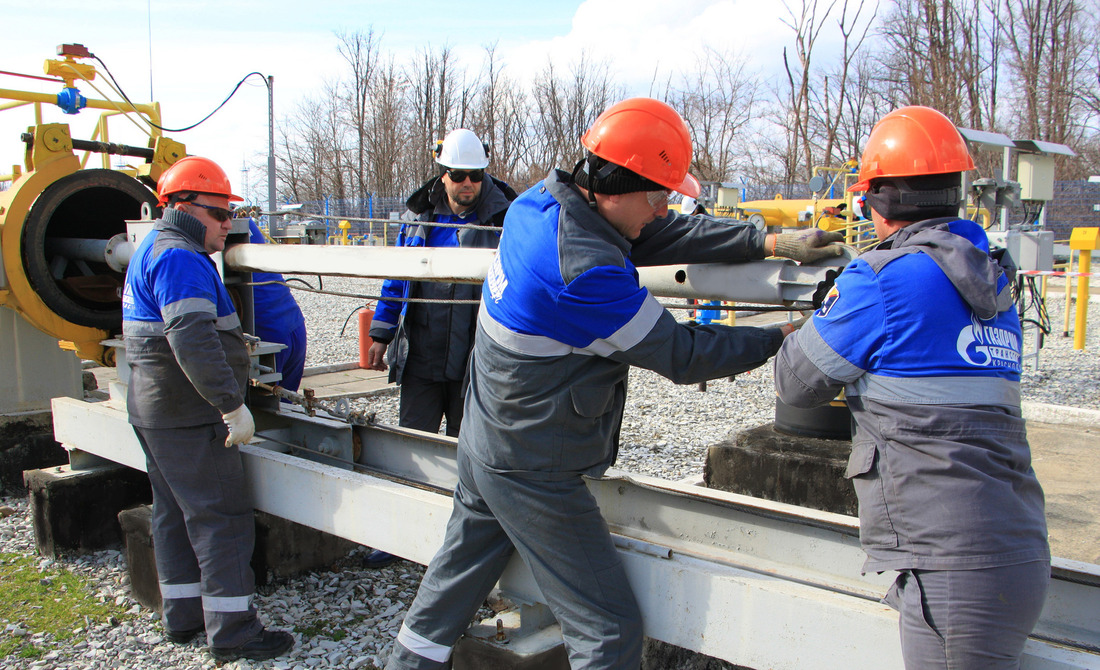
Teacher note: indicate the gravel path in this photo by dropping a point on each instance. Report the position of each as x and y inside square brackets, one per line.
[348, 617]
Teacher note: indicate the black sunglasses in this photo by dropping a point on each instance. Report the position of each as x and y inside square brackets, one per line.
[459, 176]
[220, 214]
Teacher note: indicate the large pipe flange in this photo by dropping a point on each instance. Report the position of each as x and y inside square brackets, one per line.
[69, 220]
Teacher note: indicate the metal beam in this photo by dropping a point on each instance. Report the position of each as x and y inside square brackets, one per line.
[753, 582]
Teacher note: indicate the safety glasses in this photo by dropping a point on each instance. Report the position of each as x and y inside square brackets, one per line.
[657, 198]
[459, 176]
[220, 214]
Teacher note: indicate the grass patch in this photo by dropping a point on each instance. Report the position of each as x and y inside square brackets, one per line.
[54, 601]
[327, 628]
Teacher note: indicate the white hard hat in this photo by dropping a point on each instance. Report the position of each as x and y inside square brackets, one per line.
[462, 149]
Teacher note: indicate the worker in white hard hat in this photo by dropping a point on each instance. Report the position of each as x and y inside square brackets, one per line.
[428, 343]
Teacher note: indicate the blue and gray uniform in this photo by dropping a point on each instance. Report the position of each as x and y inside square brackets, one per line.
[431, 341]
[278, 319]
[188, 366]
[922, 336]
[563, 318]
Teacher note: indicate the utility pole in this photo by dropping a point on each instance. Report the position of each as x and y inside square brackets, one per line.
[271, 153]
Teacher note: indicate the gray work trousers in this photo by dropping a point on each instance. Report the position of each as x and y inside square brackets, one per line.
[968, 619]
[557, 528]
[424, 404]
[203, 532]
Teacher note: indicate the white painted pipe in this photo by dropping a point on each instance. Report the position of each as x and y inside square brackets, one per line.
[769, 282]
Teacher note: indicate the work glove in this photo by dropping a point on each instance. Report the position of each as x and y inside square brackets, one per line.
[808, 246]
[240, 424]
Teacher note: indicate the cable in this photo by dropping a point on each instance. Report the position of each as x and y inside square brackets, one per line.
[290, 279]
[353, 313]
[125, 97]
[1027, 295]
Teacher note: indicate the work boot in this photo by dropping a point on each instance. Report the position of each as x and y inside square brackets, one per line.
[267, 644]
[183, 636]
[379, 559]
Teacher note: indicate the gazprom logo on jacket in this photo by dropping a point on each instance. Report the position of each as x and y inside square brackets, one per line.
[988, 346]
[830, 299]
[496, 280]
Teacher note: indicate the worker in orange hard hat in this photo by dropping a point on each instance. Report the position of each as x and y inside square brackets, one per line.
[188, 375]
[922, 334]
[563, 318]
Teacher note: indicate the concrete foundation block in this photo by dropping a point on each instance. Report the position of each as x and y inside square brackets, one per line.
[285, 548]
[765, 463]
[77, 510]
[26, 443]
[477, 654]
[657, 655]
[520, 638]
[141, 563]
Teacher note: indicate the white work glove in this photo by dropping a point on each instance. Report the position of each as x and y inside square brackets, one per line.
[808, 246]
[240, 424]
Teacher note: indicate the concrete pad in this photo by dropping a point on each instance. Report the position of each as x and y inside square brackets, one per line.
[765, 463]
[26, 443]
[77, 510]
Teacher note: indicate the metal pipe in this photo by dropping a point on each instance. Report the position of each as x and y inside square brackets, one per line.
[115, 252]
[773, 282]
[72, 248]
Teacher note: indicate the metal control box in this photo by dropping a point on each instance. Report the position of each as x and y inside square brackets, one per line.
[1031, 250]
[1035, 172]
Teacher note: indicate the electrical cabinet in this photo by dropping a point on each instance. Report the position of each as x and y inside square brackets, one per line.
[1031, 250]
[1035, 172]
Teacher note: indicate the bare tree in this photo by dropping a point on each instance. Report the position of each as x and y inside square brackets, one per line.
[388, 131]
[501, 114]
[807, 24]
[827, 110]
[717, 100]
[433, 79]
[564, 109]
[940, 53]
[360, 50]
[1053, 47]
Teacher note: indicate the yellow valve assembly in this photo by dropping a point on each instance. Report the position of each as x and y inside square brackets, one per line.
[62, 226]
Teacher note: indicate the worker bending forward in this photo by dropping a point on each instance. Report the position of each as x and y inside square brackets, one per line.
[563, 318]
[188, 371]
[922, 334]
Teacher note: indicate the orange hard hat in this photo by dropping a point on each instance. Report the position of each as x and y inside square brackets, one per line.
[909, 142]
[647, 137]
[194, 174]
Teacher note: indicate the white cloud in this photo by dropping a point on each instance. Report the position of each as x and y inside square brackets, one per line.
[644, 38]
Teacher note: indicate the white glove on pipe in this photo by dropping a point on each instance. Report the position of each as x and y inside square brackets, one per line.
[240, 424]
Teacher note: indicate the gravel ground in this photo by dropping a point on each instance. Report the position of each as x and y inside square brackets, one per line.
[348, 617]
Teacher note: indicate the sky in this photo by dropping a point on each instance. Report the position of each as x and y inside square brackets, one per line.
[189, 54]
